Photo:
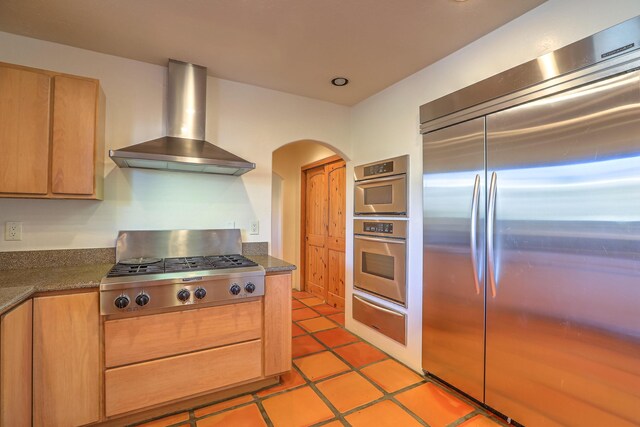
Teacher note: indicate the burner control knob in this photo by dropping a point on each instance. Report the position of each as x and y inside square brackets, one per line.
[142, 299]
[250, 287]
[183, 295]
[121, 302]
[200, 293]
[235, 289]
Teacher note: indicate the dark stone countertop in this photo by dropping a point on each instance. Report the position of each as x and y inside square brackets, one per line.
[18, 285]
[271, 264]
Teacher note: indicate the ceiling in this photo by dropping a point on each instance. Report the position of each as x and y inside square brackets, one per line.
[294, 46]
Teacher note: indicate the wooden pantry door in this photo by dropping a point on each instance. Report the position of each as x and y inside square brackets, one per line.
[336, 173]
[323, 213]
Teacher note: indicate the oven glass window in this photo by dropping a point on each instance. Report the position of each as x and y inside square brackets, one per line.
[379, 195]
[378, 265]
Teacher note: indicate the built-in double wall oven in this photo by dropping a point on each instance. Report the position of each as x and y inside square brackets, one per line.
[380, 246]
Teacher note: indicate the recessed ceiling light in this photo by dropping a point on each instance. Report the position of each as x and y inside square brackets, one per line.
[340, 81]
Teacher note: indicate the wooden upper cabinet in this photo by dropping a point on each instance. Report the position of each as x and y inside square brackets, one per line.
[24, 131]
[51, 134]
[74, 130]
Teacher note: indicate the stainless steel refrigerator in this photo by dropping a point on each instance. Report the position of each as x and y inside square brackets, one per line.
[531, 299]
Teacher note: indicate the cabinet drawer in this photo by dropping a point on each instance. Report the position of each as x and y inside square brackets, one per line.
[386, 321]
[134, 387]
[143, 338]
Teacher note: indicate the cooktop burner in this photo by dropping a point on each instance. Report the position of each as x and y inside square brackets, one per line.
[171, 265]
[140, 261]
[135, 269]
[186, 264]
[230, 261]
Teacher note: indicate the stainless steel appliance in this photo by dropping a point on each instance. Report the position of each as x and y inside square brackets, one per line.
[532, 236]
[184, 148]
[381, 187]
[388, 322]
[158, 270]
[380, 252]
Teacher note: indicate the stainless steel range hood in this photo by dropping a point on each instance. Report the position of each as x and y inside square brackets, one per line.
[184, 148]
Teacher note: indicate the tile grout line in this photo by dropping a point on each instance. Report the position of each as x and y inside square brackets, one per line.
[385, 394]
[265, 415]
[312, 384]
[408, 411]
[342, 416]
[424, 380]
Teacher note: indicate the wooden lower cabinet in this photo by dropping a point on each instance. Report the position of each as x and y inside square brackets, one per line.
[52, 371]
[15, 366]
[138, 339]
[277, 324]
[133, 387]
[66, 360]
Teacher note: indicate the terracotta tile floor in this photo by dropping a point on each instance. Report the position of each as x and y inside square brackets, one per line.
[337, 380]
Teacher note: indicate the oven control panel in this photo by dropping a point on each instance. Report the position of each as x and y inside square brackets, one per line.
[387, 167]
[378, 227]
[143, 297]
[378, 169]
[386, 228]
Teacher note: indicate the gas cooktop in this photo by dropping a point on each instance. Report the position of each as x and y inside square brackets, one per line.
[156, 270]
[148, 265]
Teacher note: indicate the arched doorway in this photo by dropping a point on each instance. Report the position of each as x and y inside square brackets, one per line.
[308, 216]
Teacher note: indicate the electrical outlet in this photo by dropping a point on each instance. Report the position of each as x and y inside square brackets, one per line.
[254, 227]
[13, 231]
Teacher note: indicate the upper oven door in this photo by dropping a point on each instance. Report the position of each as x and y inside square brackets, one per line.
[380, 267]
[381, 196]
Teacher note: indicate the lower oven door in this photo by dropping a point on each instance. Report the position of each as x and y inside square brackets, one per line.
[380, 267]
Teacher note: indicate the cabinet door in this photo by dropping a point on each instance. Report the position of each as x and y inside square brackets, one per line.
[15, 366]
[136, 339]
[277, 324]
[74, 135]
[24, 131]
[66, 361]
[133, 387]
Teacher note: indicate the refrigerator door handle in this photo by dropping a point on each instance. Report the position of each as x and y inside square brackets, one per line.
[475, 200]
[491, 218]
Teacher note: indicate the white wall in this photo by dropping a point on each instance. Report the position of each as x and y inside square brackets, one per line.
[287, 162]
[386, 124]
[247, 120]
[252, 122]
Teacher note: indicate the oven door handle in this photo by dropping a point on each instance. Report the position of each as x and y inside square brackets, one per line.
[365, 182]
[377, 307]
[381, 239]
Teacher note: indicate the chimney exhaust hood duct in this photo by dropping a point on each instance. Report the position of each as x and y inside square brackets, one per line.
[184, 148]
